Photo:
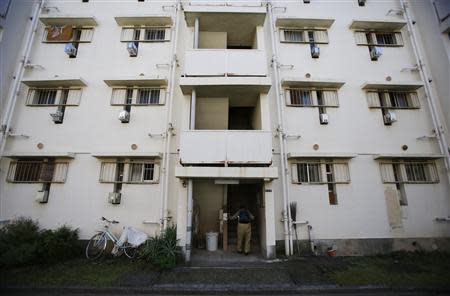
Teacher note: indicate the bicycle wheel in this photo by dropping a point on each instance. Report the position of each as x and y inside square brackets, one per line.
[129, 250]
[96, 246]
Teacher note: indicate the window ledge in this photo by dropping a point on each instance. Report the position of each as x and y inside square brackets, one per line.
[56, 82]
[320, 155]
[405, 86]
[71, 20]
[127, 154]
[302, 82]
[304, 23]
[389, 25]
[137, 81]
[144, 20]
[21, 155]
[407, 156]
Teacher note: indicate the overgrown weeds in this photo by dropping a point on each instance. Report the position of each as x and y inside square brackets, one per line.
[162, 250]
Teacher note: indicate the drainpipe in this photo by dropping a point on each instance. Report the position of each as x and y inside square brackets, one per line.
[189, 221]
[14, 92]
[190, 185]
[287, 212]
[196, 32]
[169, 131]
[433, 104]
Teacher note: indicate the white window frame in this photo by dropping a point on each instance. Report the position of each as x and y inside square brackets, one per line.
[59, 173]
[87, 34]
[373, 99]
[128, 31]
[320, 35]
[108, 171]
[119, 96]
[341, 171]
[73, 96]
[361, 38]
[329, 97]
[387, 175]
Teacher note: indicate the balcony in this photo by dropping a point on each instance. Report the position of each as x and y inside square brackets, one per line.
[225, 62]
[226, 146]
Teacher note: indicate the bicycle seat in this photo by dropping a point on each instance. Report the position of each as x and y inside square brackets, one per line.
[113, 221]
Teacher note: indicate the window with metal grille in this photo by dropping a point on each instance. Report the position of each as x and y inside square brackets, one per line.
[293, 36]
[309, 172]
[400, 172]
[37, 171]
[154, 34]
[53, 97]
[45, 97]
[400, 100]
[129, 171]
[300, 97]
[386, 38]
[148, 96]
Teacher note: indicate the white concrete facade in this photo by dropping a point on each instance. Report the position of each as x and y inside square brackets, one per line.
[232, 110]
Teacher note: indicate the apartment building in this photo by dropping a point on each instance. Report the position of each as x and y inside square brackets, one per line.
[159, 113]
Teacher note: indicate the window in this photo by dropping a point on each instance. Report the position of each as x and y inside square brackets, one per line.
[314, 36]
[141, 172]
[37, 171]
[129, 171]
[393, 99]
[293, 36]
[45, 97]
[62, 96]
[308, 172]
[385, 39]
[68, 34]
[137, 96]
[145, 34]
[405, 171]
[300, 97]
[147, 96]
[154, 34]
[370, 38]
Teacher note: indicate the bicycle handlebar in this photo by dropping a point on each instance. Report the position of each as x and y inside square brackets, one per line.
[109, 221]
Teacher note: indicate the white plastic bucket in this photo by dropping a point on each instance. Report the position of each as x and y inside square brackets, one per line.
[211, 241]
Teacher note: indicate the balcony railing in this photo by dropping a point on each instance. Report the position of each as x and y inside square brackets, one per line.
[226, 146]
[225, 62]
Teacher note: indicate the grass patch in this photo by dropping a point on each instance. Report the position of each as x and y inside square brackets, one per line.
[78, 272]
[396, 270]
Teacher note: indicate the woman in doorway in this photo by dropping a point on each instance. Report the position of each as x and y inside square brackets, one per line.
[244, 228]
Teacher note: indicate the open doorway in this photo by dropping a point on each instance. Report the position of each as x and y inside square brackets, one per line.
[250, 195]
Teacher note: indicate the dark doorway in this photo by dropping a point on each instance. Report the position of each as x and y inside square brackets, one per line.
[239, 118]
[248, 195]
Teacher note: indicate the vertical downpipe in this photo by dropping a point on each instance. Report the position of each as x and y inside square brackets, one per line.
[432, 105]
[189, 220]
[286, 212]
[167, 141]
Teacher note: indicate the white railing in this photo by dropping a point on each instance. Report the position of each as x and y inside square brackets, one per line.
[225, 62]
[220, 146]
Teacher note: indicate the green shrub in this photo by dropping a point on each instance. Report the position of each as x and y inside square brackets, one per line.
[162, 251]
[19, 242]
[58, 245]
[22, 243]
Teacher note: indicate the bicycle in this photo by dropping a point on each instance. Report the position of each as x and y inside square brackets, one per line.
[98, 243]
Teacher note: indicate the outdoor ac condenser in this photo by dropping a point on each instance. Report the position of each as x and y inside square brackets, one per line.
[42, 196]
[114, 198]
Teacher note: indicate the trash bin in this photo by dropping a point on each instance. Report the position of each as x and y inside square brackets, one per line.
[211, 241]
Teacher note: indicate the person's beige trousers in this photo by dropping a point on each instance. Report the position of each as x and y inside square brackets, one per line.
[244, 233]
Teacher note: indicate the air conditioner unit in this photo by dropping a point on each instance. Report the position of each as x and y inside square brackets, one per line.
[315, 52]
[323, 118]
[361, 2]
[132, 49]
[114, 198]
[375, 53]
[124, 116]
[389, 118]
[57, 117]
[306, 1]
[71, 50]
[42, 196]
